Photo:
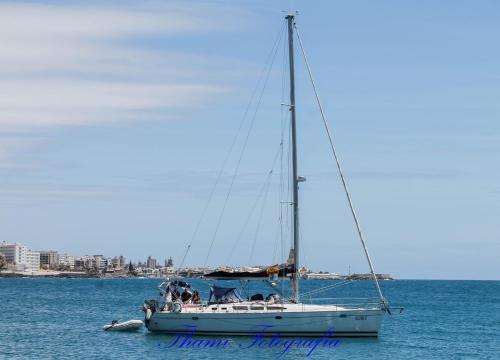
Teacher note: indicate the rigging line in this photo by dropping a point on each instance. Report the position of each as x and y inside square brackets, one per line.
[264, 190]
[228, 155]
[267, 185]
[328, 287]
[244, 146]
[290, 183]
[276, 237]
[284, 179]
[284, 123]
[288, 203]
[254, 206]
[339, 167]
[280, 192]
[247, 221]
[302, 248]
[325, 288]
[285, 186]
[259, 220]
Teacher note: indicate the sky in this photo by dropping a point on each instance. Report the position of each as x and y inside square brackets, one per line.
[116, 118]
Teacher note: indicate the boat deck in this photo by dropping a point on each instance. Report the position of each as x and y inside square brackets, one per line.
[258, 307]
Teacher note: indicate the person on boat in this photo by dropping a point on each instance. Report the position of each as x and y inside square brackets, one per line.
[257, 297]
[272, 298]
[146, 307]
[196, 297]
[168, 297]
[175, 294]
[186, 296]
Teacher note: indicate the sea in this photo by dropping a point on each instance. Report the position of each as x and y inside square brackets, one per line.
[63, 319]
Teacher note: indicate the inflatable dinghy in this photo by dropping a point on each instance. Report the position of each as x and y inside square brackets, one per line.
[130, 325]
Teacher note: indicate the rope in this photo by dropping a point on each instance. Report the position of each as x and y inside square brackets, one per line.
[263, 190]
[247, 221]
[259, 221]
[285, 170]
[228, 155]
[323, 289]
[328, 287]
[339, 167]
[221, 215]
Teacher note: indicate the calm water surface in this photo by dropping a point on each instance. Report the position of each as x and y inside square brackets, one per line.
[62, 319]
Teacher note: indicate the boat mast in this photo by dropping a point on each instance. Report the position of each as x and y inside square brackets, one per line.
[295, 275]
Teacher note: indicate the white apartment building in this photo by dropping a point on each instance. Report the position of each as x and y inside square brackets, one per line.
[32, 260]
[19, 257]
[14, 253]
[101, 263]
[67, 260]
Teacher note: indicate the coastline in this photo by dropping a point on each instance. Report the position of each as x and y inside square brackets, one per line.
[80, 275]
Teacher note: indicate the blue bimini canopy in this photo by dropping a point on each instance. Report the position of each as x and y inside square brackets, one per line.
[220, 295]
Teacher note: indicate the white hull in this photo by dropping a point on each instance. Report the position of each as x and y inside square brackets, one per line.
[292, 320]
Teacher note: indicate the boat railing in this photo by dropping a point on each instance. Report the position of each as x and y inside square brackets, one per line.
[346, 302]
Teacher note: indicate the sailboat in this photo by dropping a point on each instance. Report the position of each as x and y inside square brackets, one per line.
[227, 313]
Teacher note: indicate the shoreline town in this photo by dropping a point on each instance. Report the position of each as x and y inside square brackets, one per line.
[17, 260]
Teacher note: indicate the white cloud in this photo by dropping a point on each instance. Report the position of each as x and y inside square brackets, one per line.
[64, 102]
[67, 21]
[73, 65]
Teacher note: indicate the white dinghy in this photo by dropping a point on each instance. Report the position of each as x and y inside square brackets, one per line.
[130, 325]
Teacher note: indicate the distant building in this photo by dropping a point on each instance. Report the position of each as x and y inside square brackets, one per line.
[67, 261]
[49, 259]
[151, 263]
[79, 262]
[168, 271]
[169, 268]
[33, 261]
[119, 262]
[19, 257]
[84, 262]
[14, 253]
[3, 262]
[123, 261]
[101, 263]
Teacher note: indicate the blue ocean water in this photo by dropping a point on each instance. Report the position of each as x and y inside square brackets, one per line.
[62, 319]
